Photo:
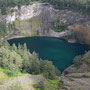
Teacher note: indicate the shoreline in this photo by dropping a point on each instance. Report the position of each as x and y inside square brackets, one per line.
[17, 37]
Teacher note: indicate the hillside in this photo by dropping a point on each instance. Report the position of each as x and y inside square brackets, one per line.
[19, 82]
[45, 20]
[76, 81]
[66, 19]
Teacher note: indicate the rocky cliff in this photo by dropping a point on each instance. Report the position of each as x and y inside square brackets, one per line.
[39, 20]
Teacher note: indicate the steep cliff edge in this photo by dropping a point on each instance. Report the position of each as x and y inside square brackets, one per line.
[42, 19]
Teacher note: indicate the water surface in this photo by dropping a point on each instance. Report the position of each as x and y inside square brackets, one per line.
[59, 51]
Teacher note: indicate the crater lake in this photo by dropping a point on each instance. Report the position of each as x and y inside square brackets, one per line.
[59, 51]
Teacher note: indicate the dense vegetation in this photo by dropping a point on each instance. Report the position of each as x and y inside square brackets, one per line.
[16, 61]
[50, 85]
[82, 59]
[3, 29]
[78, 5]
[58, 25]
[19, 59]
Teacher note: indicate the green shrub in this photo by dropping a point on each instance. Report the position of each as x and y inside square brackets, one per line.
[48, 85]
[85, 76]
[3, 10]
[84, 59]
[48, 69]
[53, 85]
[3, 29]
[59, 28]
[80, 5]
[40, 85]
[12, 58]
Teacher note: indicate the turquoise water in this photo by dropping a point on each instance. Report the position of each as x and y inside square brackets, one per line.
[59, 51]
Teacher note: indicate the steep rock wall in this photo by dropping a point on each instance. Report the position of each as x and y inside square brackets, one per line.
[37, 20]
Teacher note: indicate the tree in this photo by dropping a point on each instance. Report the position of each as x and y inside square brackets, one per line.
[20, 59]
[10, 59]
[48, 69]
[35, 67]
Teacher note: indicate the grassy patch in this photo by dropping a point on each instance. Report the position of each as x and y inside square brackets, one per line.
[85, 76]
[49, 85]
[72, 79]
[32, 84]
[27, 3]
[53, 85]
[34, 2]
[59, 28]
[5, 73]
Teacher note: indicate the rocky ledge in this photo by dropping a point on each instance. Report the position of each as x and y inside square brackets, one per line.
[37, 20]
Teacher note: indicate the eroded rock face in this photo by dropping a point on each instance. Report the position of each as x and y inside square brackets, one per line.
[82, 65]
[28, 11]
[82, 33]
[36, 20]
[28, 19]
[72, 69]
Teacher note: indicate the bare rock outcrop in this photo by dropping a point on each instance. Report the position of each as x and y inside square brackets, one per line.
[37, 19]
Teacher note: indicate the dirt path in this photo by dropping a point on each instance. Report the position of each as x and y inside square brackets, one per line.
[27, 81]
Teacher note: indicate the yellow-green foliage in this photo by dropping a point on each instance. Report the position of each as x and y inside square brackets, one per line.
[32, 84]
[72, 79]
[28, 27]
[3, 29]
[17, 23]
[48, 85]
[53, 85]
[12, 58]
[3, 76]
[12, 10]
[5, 73]
[33, 2]
[35, 23]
